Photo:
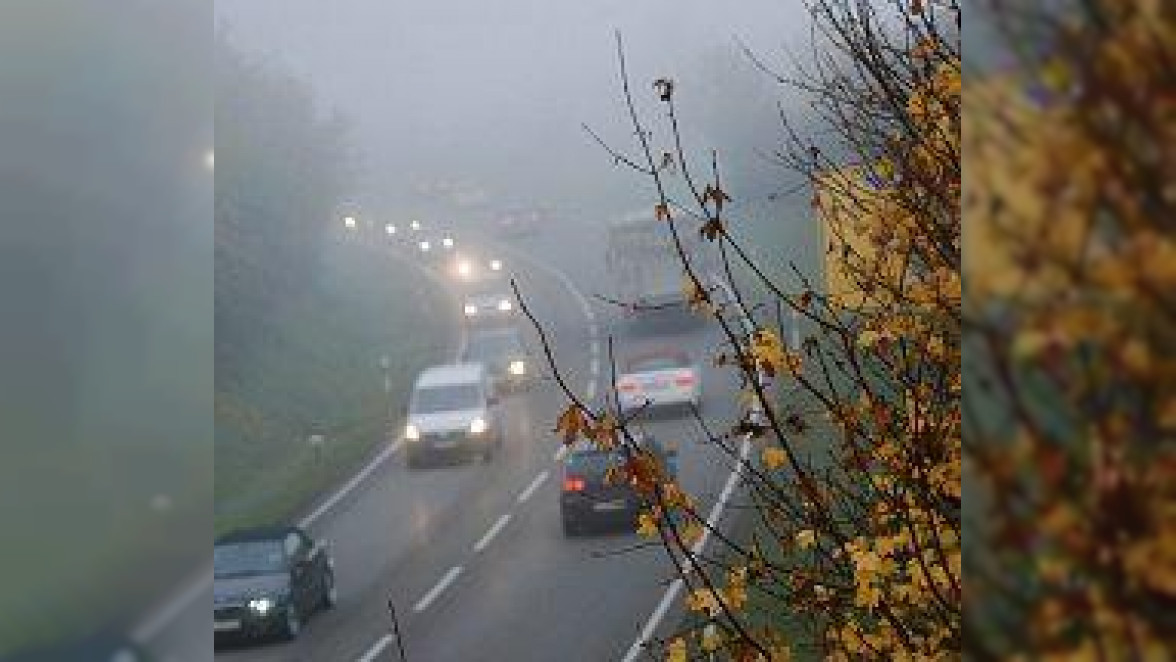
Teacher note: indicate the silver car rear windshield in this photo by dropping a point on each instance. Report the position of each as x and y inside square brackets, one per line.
[449, 397]
[655, 363]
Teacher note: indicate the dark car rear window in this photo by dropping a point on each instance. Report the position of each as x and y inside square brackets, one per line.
[591, 462]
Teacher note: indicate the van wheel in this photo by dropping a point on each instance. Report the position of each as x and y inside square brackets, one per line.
[292, 623]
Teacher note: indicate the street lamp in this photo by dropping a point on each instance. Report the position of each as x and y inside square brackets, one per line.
[349, 221]
[390, 229]
[416, 225]
[447, 242]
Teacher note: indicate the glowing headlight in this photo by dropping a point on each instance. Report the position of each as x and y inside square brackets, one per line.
[411, 432]
[504, 305]
[517, 367]
[390, 229]
[261, 605]
[477, 426]
[425, 246]
[470, 310]
[496, 265]
[447, 242]
[464, 268]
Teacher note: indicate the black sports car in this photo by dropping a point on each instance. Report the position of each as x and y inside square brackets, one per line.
[267, 581]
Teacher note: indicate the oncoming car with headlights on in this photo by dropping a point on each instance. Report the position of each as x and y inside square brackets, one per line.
[490, 303]
[267, 581]
[452, 411]
[503, 352]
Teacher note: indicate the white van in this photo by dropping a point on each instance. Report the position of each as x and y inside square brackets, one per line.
[452, 412]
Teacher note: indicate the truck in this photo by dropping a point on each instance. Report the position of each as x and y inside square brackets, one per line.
[644, 267]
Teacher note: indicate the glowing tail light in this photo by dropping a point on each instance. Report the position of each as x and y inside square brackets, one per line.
[573, 484]
[626, 386]
[684, 379]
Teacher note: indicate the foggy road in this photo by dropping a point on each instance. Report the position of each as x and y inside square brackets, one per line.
[472, 556]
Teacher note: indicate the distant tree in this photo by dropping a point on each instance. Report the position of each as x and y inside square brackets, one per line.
[855, 496]
[281, 170]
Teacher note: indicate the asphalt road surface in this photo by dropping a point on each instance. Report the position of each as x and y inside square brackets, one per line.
[472, 556]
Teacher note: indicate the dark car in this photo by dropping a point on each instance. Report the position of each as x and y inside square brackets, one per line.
[266, 581]
[504, 354]
[587, 499]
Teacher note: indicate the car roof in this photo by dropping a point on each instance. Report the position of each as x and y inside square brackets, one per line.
[454, 373]
[497, 332]
[666, 352]
[257, 534]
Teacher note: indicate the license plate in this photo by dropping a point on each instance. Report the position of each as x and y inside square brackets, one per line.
[221, 626]
[615, 504]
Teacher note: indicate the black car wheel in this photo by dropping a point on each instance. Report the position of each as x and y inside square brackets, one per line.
[330, 591]
[414, 458]
[291, 623]
[571, 527]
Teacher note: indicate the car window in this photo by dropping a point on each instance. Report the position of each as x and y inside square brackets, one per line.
[244, 559]
[447, 397]
[653, 363]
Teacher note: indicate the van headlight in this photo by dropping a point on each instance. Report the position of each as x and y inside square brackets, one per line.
[505, 305]
[517, 368]
[261, 605]
[470, 310]
[411, 432]
[478, 425]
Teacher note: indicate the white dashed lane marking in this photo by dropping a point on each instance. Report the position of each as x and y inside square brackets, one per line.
[485, 539]
[377, 648]
[526, 494]
[437, 589]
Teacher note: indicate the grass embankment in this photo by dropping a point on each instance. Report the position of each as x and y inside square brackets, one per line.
[316, 370]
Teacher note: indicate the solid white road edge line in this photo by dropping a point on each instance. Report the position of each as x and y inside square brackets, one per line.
[526, 494]
[590, 391]
[712, 518]
[147, 630]
[493, 531]
[675, 588]
[358, 478]
[377, 648]
[437, 589]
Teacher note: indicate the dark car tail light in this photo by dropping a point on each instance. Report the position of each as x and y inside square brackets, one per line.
[573, 484]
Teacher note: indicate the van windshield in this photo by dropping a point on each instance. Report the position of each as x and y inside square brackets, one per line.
[448, 397]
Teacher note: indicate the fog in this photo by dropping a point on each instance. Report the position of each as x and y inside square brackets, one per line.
[490, 97]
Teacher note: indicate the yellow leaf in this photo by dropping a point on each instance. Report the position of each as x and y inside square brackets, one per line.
[806, 538]
[647, 524]
[571, 423]
[774, 457]
[711, 638]
[676, 650]
[703, 600]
